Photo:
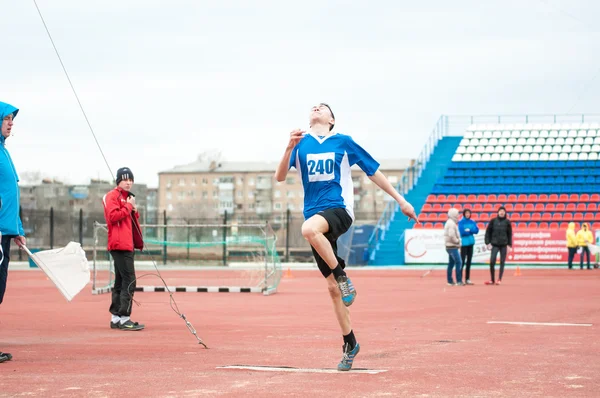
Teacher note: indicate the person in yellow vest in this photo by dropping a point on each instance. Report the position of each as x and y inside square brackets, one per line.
[571, 243]
[584, 237]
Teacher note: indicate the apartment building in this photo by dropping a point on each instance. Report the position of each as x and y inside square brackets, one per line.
[247, 190]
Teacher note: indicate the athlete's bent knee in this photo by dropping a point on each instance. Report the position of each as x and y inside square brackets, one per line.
[334, 290]
[308, 232]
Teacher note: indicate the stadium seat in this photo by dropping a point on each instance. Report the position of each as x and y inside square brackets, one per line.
[578, 217]
[571, 207]
[532, 225]
[546, 216]
[526, 217]
[509, 207]
[592, 207]
[584, 197]
[519, 207]
[550, 207]
[418, 226]
[539, 207]
[556, 216]
[428, 225]
[543, 225]
[588, 217]
[566, 216]
[536, 217]
[543, 198]
[515, 217]
[438, 225]
[553, 225]
[427, 207]
[529, 207]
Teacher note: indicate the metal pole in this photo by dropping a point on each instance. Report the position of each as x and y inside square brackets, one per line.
[188, 241]
[225, 238]
[287, 235]
[165, 237]
[81, 227]
[266, 287]
[52, 228]
[95, 254]
[20, 218]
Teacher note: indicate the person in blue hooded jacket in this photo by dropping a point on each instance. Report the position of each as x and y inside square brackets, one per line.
[10, 221]
[468, 229]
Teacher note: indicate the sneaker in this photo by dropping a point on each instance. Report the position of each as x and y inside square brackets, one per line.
[129, 325]
[460, 284]
[498, 282]
[348, 357]
[451, 284]
[5, 356]
[347, 289]
[489, 282]
[468, 282]
[114, 325]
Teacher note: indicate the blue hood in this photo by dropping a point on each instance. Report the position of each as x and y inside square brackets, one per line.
[10, 222]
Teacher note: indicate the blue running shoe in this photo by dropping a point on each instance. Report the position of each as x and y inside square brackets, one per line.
[348, 357]
[347, 289]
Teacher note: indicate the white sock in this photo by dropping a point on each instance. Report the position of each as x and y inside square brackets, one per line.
[124, 319]
[115, 319]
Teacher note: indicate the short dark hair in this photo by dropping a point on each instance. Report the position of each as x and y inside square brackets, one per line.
[332, 116]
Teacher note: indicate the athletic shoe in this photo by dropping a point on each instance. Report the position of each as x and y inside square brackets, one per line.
[460, 284]
[348, 357]
[129, 325]
[347, 289]
[468, 282]
[489, 282]
[498, 282]
[114, 325]
[451, 284]
[5, 356]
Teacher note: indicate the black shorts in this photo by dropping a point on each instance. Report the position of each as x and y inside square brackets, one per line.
[339, 222]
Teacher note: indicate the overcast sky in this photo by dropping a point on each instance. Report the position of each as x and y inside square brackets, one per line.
[162, 81]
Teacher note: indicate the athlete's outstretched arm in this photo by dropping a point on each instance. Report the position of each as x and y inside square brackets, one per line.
[382, 182]
[284, 164]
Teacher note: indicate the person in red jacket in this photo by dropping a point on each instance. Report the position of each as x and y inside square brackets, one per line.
[124, 236]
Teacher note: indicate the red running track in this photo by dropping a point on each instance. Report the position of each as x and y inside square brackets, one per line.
[432, 339]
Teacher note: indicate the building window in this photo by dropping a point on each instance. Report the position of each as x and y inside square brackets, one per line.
[277, 206]
[169, 184]
[290, 194]
[191, 194]
[180, 195]
[290, 180]
[170, 207]
[169, 195]
[290, 207]
[193, 181]
[215, 194]
[250, 194]
[182, 182]
[204, 194]
[278, 219]
[250, 206]
[240, 194]
[240, 180]
[204, 181]
[250, 181]
[278, 194]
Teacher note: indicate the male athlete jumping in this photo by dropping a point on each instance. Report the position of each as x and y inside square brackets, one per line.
[323, 159]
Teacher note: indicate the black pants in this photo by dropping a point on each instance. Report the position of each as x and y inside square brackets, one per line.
[572, 251]
[122, 293]
[585, 250]
[466, 254]
[5, 255]
[495, 250]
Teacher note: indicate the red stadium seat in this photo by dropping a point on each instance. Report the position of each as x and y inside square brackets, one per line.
[532, 198]
[584, 197]
[574, 197]
[462, 198]
[502, 198]
[423, 217]
[437, 207]
[512, 198]
[431, 199]
[488, 207]
[522, 225]
[446, 207]
[539, 207]
[509, 207]
[442, 217]
[481, 198]
[526, 217]
[566, 216]
[481, 225]
[451, 198]
[484, 217]
[438, 225]
[519, 207]
[418, 226]
[427, 207]
[597, 217]
[563, 197]
[595, 197]
[536, 217]
[522, 198]
[543, 198]
[546, 216]
[557, 217]
[553, 198]
[571, 207]
[458, 206]
[560, 207]
[529, 207]
[553, 225]
[580, 207]
[515, 217]
[471, 199]
[428, 225]
[596, 226]
[475, 216]
[592, 207]
[563, 225]
[492, 198]
[588, 217]
[550, 207]
[578, 217]
[532, 225]
[543, 225]
[441, 198]
[478, 207]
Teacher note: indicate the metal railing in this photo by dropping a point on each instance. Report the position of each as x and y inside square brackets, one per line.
[456, 125]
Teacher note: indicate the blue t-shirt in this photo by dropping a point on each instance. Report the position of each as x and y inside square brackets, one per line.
[324, 167]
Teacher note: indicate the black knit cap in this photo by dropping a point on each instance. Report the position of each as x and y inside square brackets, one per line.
[466, 210]
[124, 173]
